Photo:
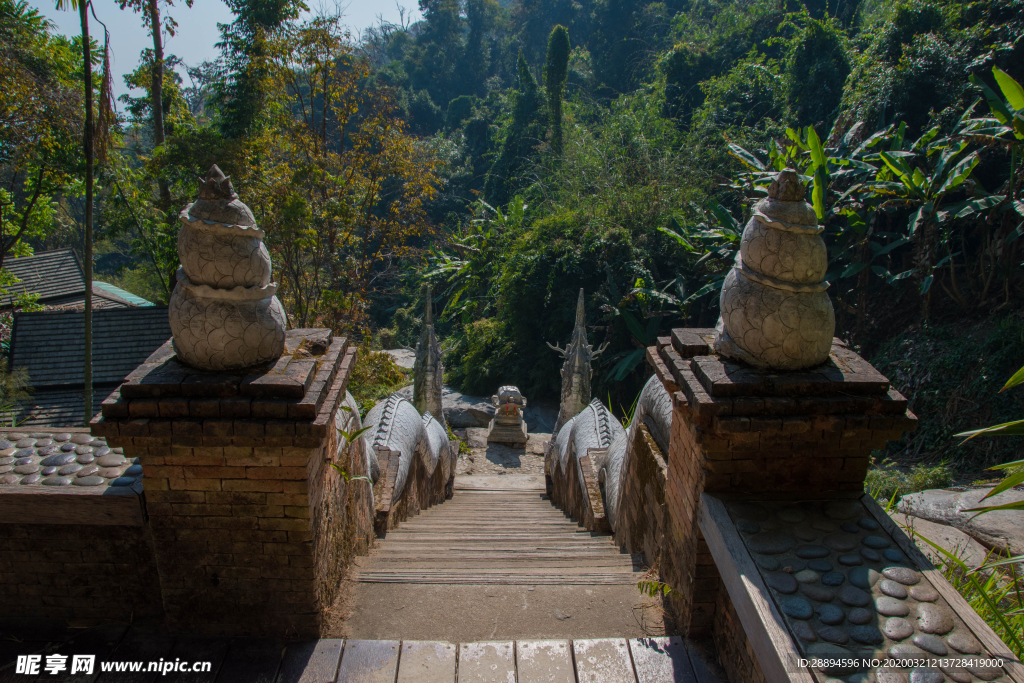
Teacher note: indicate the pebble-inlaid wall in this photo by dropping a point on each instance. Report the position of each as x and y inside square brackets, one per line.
[846, 590]
[63, 459]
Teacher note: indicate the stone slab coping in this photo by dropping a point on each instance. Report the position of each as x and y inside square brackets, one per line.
[837, 579]
[844, 373]
[66, 477]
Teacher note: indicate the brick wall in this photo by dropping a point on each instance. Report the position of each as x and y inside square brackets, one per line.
[576, 489]
[422, 490]
[734, 651]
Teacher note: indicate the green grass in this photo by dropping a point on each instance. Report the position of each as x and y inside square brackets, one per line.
[375, 376]
[886, 480]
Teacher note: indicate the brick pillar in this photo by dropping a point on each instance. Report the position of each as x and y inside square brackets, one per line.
[736, 430]
[247, 516]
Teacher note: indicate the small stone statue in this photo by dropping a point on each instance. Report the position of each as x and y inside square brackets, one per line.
[428, 370]
[223, 312]
[508, 426]
[775, 311]
[576, 369]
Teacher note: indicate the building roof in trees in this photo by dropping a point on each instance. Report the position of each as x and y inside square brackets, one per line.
[57, 277]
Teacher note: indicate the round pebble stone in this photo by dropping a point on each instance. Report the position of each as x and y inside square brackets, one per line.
[100, 441]
[867, 635]
[133, 471]
[5, 444]
[908, 651]
[46, 471]
[876, 542]
[57, 459]
[833, 635]
[854, 597]
[892, 589]
[61, 437]
[867, 523]
[46, 450]
[89, 481]
[893, 555]
[68, 470]
[923, 593]
[849, 527]
[792, 515]
[927, 641]
[803, 631]
[841, 509]
[897, 629]
[8, 479]
[841, 542]
[794, 567]
[25, 443]
[870, 555]
[88, 471]
[24, 453]
[748, 527]
[956, 674]
[15, 436]
[56, 481]
[806, 533]
[25, 461]
[781, 581]
[820, 566]
[30, 468]
[891, 607]
[863, 577]
[806, 576]
[985, 673]
[122, 481]
[39, 435]
[7, 451]
[926, 674]
[43, 443]
[807, 552]
[31, 479]
[81, 438]
[824, 525]
[831, 615]
[888, 675]
[904, 575]
[100, 451]
[769, 563]
[82, 450]
[68, 447]
[114, 460]
[135, 461]
[110, 472]
[837, 655]
[4, 469]
[964, 643]
[6, 460]
[121, 450]
[850, 560]
[816, 592]
[85, 459]
[767, 542]
[934, 618]
[796, 607]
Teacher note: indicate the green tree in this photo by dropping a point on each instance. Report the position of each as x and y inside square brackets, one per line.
[523, 135]
[556, 68]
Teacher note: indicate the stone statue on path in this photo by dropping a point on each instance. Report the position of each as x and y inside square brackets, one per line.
[775, 311]
[576, 370]
[427, 369]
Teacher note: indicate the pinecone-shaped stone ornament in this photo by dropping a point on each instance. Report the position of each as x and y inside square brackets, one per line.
[775, 311]
[223, 312]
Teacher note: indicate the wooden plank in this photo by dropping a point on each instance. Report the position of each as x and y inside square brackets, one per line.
[426, 662]
[252, 660]
[766, 631]
[544, 661]
[661, 660]
[138, 646]
[204, 654]
[992, 643]
[368, 661]
[313, 661]
[488, 662]
[603, 660]
[37, 504]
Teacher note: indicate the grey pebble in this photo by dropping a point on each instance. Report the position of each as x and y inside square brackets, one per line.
[904, 575]
[850, 560]
[81, 438]
[70, 469]
[794, 567]
[768, 542]
[56, 481]
[26, 469]
[907, 650]
[841, 509]
[804, 631]
[892, 589]
[748, 527]
[806, 576]
[926, 674]
[923, 593]
[122, 481]
[957, 674]
[57, 460]
[810, 551]
[44, 442]
[876, 542]
[820, 565]
[4, 469]
[5, 444]
[98, 441]
[854, 597]
[31, 479]
[25, 461]
[806, 533]
[863, 577]
[133, 471]
[870, 555]
[781, 581]
[831, 615]
[39, 435]
[113, 460]
[833, 635]
[9, 479]
[68, 447]
[47, 450]
[88, 471]
[849, 527]
[897, 628]
[46, 471]
[6, 460]
[840, 542]
[100, 451]
[964, 643]
[24, 453]
[796, 607]
[118, 450]
[15, 436]
[933, 644]
[985, 673]
[893, 555]
[891, 607]
[25, 443]
[90, 481]
[85, 459]
[63, 436]
[110, 472]
[867, 523]
[82, 450]
[816, 592]
[868, 635]
[769, 563]
[888, 675]
[934, 618]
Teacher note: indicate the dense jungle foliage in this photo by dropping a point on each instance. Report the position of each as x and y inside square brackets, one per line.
[511, 153]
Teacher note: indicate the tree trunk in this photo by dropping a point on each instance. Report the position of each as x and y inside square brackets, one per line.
[157, 92]
[87, 144]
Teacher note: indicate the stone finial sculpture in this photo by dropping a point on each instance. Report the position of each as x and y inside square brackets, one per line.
[223, 312]
[775, 312]
[508, 426]
[576, 370]
[427, 369]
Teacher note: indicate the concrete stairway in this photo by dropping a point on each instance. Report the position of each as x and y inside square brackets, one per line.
[497, 536]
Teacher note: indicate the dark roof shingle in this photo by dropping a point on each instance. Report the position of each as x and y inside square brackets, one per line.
[50, 274]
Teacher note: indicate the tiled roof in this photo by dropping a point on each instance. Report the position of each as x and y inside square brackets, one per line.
[107, 289]
[51, 347]
[50, 274]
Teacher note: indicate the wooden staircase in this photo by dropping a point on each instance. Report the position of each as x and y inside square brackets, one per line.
[497, 536]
